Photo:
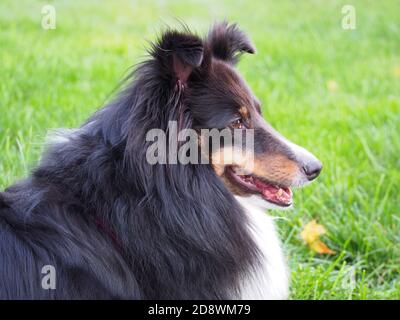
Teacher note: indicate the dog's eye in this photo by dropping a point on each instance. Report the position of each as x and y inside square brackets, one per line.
[238, 124]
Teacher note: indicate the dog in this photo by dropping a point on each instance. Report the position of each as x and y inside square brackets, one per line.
[106, 224]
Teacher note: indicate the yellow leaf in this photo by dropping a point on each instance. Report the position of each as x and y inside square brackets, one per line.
[332, 86]
[320, 247]
[396, 71]
[311, 234]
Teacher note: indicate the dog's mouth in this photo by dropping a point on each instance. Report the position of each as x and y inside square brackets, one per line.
[273, 193]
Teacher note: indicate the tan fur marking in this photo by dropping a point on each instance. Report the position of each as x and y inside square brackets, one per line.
[244, 112]
[275, 168]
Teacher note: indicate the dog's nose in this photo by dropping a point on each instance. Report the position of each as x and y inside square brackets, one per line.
[312, 169]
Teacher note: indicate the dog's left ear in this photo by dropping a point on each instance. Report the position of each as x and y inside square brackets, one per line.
[179, 53]
[228, 42]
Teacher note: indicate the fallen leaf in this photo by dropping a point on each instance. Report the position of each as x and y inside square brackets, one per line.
[332, 86]
[396, 71]
[321, 248]
[311, 235]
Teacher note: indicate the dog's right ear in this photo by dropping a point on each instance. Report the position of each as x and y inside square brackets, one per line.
[179, 53]
[227, 42]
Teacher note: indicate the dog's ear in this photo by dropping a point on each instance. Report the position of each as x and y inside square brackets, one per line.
[179, 53]
[227, 42]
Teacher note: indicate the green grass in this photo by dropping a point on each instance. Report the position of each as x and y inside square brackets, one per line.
[57, 78]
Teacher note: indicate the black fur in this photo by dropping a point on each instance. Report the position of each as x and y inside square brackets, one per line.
[228, 42]
[179, 233]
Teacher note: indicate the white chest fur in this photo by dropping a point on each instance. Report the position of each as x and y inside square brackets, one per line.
[270, 279]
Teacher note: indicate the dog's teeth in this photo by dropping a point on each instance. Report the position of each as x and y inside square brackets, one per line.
[280, 192]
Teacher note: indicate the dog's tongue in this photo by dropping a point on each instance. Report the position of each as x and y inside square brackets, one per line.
[272, 193]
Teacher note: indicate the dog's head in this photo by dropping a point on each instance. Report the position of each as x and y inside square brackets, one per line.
[214, 96]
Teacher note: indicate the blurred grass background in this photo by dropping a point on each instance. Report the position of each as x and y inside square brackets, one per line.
[334, 91]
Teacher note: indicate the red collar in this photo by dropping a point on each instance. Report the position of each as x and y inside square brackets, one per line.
[101, 223]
